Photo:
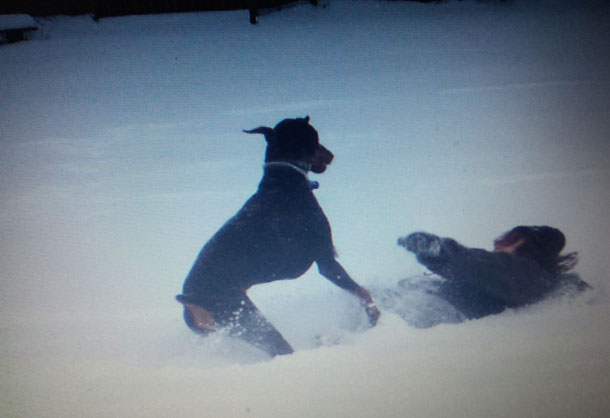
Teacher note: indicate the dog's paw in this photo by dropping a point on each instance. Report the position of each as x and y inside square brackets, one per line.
[373, 313]
[422, 244]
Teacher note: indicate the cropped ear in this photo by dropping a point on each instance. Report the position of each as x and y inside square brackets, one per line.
[306, 118]
[264, 130]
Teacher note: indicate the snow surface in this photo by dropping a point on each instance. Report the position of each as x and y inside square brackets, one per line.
[121, 153]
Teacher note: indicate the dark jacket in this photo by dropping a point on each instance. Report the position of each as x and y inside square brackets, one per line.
[481, 283]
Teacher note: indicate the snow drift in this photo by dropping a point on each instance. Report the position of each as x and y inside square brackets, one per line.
[121, 153]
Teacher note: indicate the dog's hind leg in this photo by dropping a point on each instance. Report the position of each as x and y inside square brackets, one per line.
[199, 318]
[196, 317]
[251, 326]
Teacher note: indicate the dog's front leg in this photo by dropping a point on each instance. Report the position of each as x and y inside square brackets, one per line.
[335, 272]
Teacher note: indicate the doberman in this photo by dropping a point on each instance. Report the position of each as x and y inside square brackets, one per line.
[277, 235]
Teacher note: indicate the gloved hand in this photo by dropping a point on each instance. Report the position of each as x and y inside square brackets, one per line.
[422, 244]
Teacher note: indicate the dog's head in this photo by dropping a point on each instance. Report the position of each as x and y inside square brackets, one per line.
[295, 141]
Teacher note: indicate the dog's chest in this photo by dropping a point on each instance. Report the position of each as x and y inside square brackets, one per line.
[276, 235]
[293, 218]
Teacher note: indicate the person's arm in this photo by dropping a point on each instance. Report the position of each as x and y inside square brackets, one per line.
[515, 280]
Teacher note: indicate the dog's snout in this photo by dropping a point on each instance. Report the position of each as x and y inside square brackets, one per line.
[324, 154]
[321, 159]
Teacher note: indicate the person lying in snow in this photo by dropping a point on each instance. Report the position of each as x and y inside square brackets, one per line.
[525, 267]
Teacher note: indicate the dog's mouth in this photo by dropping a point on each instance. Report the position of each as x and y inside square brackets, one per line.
[321, 159]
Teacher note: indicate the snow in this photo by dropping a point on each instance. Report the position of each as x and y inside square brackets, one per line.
[121, 153]
[16, 21]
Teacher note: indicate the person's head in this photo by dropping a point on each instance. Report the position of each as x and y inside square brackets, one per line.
[543, 244]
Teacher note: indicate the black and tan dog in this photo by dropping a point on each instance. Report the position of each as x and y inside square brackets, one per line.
[278, 234]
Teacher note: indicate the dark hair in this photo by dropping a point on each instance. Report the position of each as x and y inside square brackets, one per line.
[543, 244]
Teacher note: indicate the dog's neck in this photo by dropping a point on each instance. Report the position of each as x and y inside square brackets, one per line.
[298, 167]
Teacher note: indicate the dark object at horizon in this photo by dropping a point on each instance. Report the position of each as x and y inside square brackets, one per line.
[255, 7]
[100, 9]
[13, 28]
